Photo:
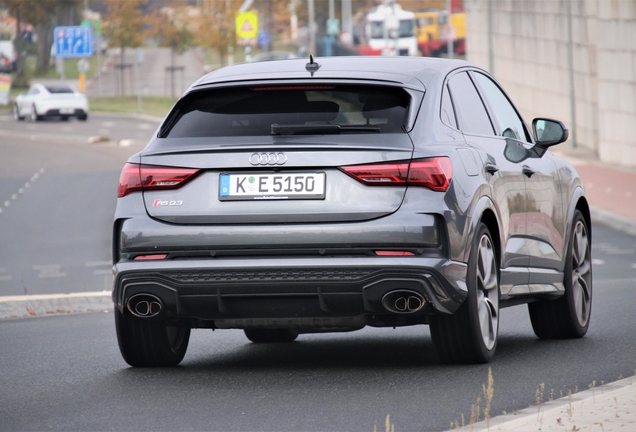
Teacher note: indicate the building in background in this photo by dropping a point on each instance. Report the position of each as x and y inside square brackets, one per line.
[574, 60]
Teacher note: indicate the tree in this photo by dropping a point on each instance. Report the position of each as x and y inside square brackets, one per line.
[215, 26]
[169, 27]
[124, 26]
[43, 15]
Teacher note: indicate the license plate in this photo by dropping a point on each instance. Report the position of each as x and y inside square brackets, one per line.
[275, 186]
[66, 110]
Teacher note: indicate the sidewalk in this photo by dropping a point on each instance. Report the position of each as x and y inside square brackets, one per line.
[609, 408]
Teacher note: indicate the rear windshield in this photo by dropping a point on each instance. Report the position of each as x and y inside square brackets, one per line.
[59, 89]
[251, 111]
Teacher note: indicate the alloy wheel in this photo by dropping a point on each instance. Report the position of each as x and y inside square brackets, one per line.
[581, 273]
[487, 292]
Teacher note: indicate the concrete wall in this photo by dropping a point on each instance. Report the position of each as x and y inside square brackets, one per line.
[530, 59]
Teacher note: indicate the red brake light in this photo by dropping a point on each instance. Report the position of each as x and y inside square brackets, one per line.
[135, 178]
[433, 173]
[150, 257]
[394, 253]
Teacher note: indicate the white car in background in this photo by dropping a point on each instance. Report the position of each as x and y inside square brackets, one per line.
[51, 100]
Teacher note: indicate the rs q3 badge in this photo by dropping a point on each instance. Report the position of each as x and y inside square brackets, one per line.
[162, 203]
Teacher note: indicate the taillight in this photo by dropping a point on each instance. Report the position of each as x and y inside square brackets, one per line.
[393, 253]
[150, 257]
[433, 173]
[135, 178]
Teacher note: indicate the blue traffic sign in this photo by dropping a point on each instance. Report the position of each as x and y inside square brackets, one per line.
[73, 41]
[263, 39]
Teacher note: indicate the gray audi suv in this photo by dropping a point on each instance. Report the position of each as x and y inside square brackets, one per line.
[324, 195]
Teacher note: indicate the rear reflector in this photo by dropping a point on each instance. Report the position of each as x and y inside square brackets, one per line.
[150, 257]
[433, 173]
[394, 253]
[135, 178]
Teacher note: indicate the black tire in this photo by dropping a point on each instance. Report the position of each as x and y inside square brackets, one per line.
[146, 343]
[568, 317]
[470, 334]
[82, 117]
[16, 113]
[34, 114]
[271, 335]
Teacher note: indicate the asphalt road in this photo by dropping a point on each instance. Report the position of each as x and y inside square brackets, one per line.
[65, 373]
[57, 200]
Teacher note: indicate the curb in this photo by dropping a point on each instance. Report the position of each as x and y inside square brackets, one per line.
[613, 220]
[48, 304]
[609, 407]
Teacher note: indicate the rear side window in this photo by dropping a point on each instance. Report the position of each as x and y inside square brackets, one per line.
[251, 111]
[472, 115]
[59, 89]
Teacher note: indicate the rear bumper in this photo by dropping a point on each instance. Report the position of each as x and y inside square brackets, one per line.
[71, 112]
[240, 293]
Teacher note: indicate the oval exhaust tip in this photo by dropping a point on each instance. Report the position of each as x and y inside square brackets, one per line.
[144, 305]
[403, 301]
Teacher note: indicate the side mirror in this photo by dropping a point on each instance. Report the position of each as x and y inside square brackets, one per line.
[548, 132]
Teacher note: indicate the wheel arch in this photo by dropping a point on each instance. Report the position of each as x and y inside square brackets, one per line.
[583, 206]
[486, 212]
[578, 201]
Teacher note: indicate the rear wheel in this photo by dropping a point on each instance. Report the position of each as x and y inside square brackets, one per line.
[270, 335]
[146, 343]
[470, 334]
[34, 114]
[16, 113]
[82, 117]
[569, 316]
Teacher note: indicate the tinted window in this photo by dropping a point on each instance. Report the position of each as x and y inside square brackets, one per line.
[507, 117]
[59, 89]
[251, 111]
[471, 113]
[448, 113]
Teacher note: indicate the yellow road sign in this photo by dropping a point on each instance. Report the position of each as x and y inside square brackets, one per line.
[247, 25]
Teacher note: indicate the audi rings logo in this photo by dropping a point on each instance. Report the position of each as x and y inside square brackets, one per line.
[268, 158]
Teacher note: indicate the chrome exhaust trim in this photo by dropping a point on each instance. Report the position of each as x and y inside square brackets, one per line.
[403, 301]
[144, 305]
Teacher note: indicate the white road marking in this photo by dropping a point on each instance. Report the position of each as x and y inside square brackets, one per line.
[597, 261]
[27, 185]
[144, 126]
[97, 263]
[49, 270]
[4, 277]
[102, 272]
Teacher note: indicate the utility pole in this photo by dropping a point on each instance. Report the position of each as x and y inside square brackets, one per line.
[311, 11]
[491, 53]
[568, 4]
[450, 51]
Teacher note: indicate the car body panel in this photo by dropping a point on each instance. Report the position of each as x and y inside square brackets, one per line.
[225, 262]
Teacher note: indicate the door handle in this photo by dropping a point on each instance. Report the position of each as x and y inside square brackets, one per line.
[491, 168]
[529, 172]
